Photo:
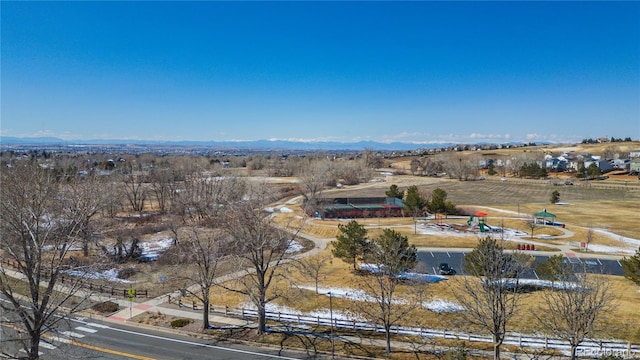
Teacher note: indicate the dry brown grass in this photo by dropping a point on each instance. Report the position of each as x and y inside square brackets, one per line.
[337, 274]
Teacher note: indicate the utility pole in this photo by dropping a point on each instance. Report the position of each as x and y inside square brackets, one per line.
[333, 348]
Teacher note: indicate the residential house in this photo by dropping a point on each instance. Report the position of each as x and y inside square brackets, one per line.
[604, 165]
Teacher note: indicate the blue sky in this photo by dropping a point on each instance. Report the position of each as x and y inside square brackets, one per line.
[422, 72]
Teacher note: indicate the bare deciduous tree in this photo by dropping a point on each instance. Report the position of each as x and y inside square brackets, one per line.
[37, 230]
[490, 295]
[199, 237]
[532, 223]
[135, 191]
[90, 198]
[588, 238]
[260, 244]
[201, 251]
[313, 179]
[575, 307]
[160, 186]
[312, 267]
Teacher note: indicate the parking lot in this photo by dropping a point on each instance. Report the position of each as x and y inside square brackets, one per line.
[430, 261]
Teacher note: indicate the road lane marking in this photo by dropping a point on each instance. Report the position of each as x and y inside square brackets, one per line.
[449, 255]
[79, 344]
[89, 330]
[619, 263]
[263, 355]
[40, 353]
[432, 254]
[109, 351]
[46, 345]
[101, 326]
[72, 334]
[599, 262]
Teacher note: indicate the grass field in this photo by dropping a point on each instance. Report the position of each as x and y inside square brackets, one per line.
[584, 207]
[508, 204]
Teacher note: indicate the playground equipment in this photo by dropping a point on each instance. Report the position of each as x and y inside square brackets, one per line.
[481, 217]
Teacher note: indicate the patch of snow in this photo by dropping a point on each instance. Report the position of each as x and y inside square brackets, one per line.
[70, 248]
[610, 249]
[293, 247]
[374, 268]
[624, 239]
[562, 203]
[109, 275]
[442, 306]
[151, 250]
[285, 210]
[322, 313]
[269, 209]
[428, 278]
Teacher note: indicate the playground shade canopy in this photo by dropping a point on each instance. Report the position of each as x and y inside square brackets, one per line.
[481, 214]
[544, 215]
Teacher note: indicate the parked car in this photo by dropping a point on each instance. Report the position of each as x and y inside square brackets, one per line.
[568, 182]
[445, 269]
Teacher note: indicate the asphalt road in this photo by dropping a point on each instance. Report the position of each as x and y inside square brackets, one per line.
[86, 338]
[430, 261]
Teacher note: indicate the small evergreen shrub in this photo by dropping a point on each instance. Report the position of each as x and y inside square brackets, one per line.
[106, 307]
[126, 273]
[178, 323]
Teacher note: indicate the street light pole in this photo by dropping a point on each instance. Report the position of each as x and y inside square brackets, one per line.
[333, 349]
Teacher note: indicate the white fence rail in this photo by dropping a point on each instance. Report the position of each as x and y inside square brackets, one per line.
[589, 348]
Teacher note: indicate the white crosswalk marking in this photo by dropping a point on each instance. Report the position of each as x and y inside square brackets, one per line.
[72, 334]
[98, 325]
[61, 339]
[46, 345]
[89, 330]
[40, 353]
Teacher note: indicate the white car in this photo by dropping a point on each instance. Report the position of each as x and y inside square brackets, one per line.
[503, 179]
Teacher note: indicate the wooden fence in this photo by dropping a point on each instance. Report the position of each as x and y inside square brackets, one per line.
[623, 349]
[62, 278]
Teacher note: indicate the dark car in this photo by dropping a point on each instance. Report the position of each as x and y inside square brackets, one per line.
[445, 269]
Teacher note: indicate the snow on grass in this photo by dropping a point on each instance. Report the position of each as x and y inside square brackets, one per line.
[609, 249]
[435, 305]
[446, 229]
[321, 313]
[294, 247]
[109, 275]
[442, 306]
[285, 209]
[151, 250]
[624, 239]
[374, 268]
[548, 284]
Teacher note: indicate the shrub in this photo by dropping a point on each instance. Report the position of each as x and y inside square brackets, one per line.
[178, 323]
[105, 307]
[126, 273]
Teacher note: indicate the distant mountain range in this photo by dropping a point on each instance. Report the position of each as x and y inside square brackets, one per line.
[255, 144]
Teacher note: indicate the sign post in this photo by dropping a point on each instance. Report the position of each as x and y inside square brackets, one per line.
[131, 293]
[162, 279]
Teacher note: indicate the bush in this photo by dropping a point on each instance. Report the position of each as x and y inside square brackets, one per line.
[178, 323]
[107, 307]
[126, 273]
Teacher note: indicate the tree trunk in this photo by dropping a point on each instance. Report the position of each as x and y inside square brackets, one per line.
[496, 347]
[34, 348]
[573, 351]
[262, 318]
[387, 333]
[205, 313]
